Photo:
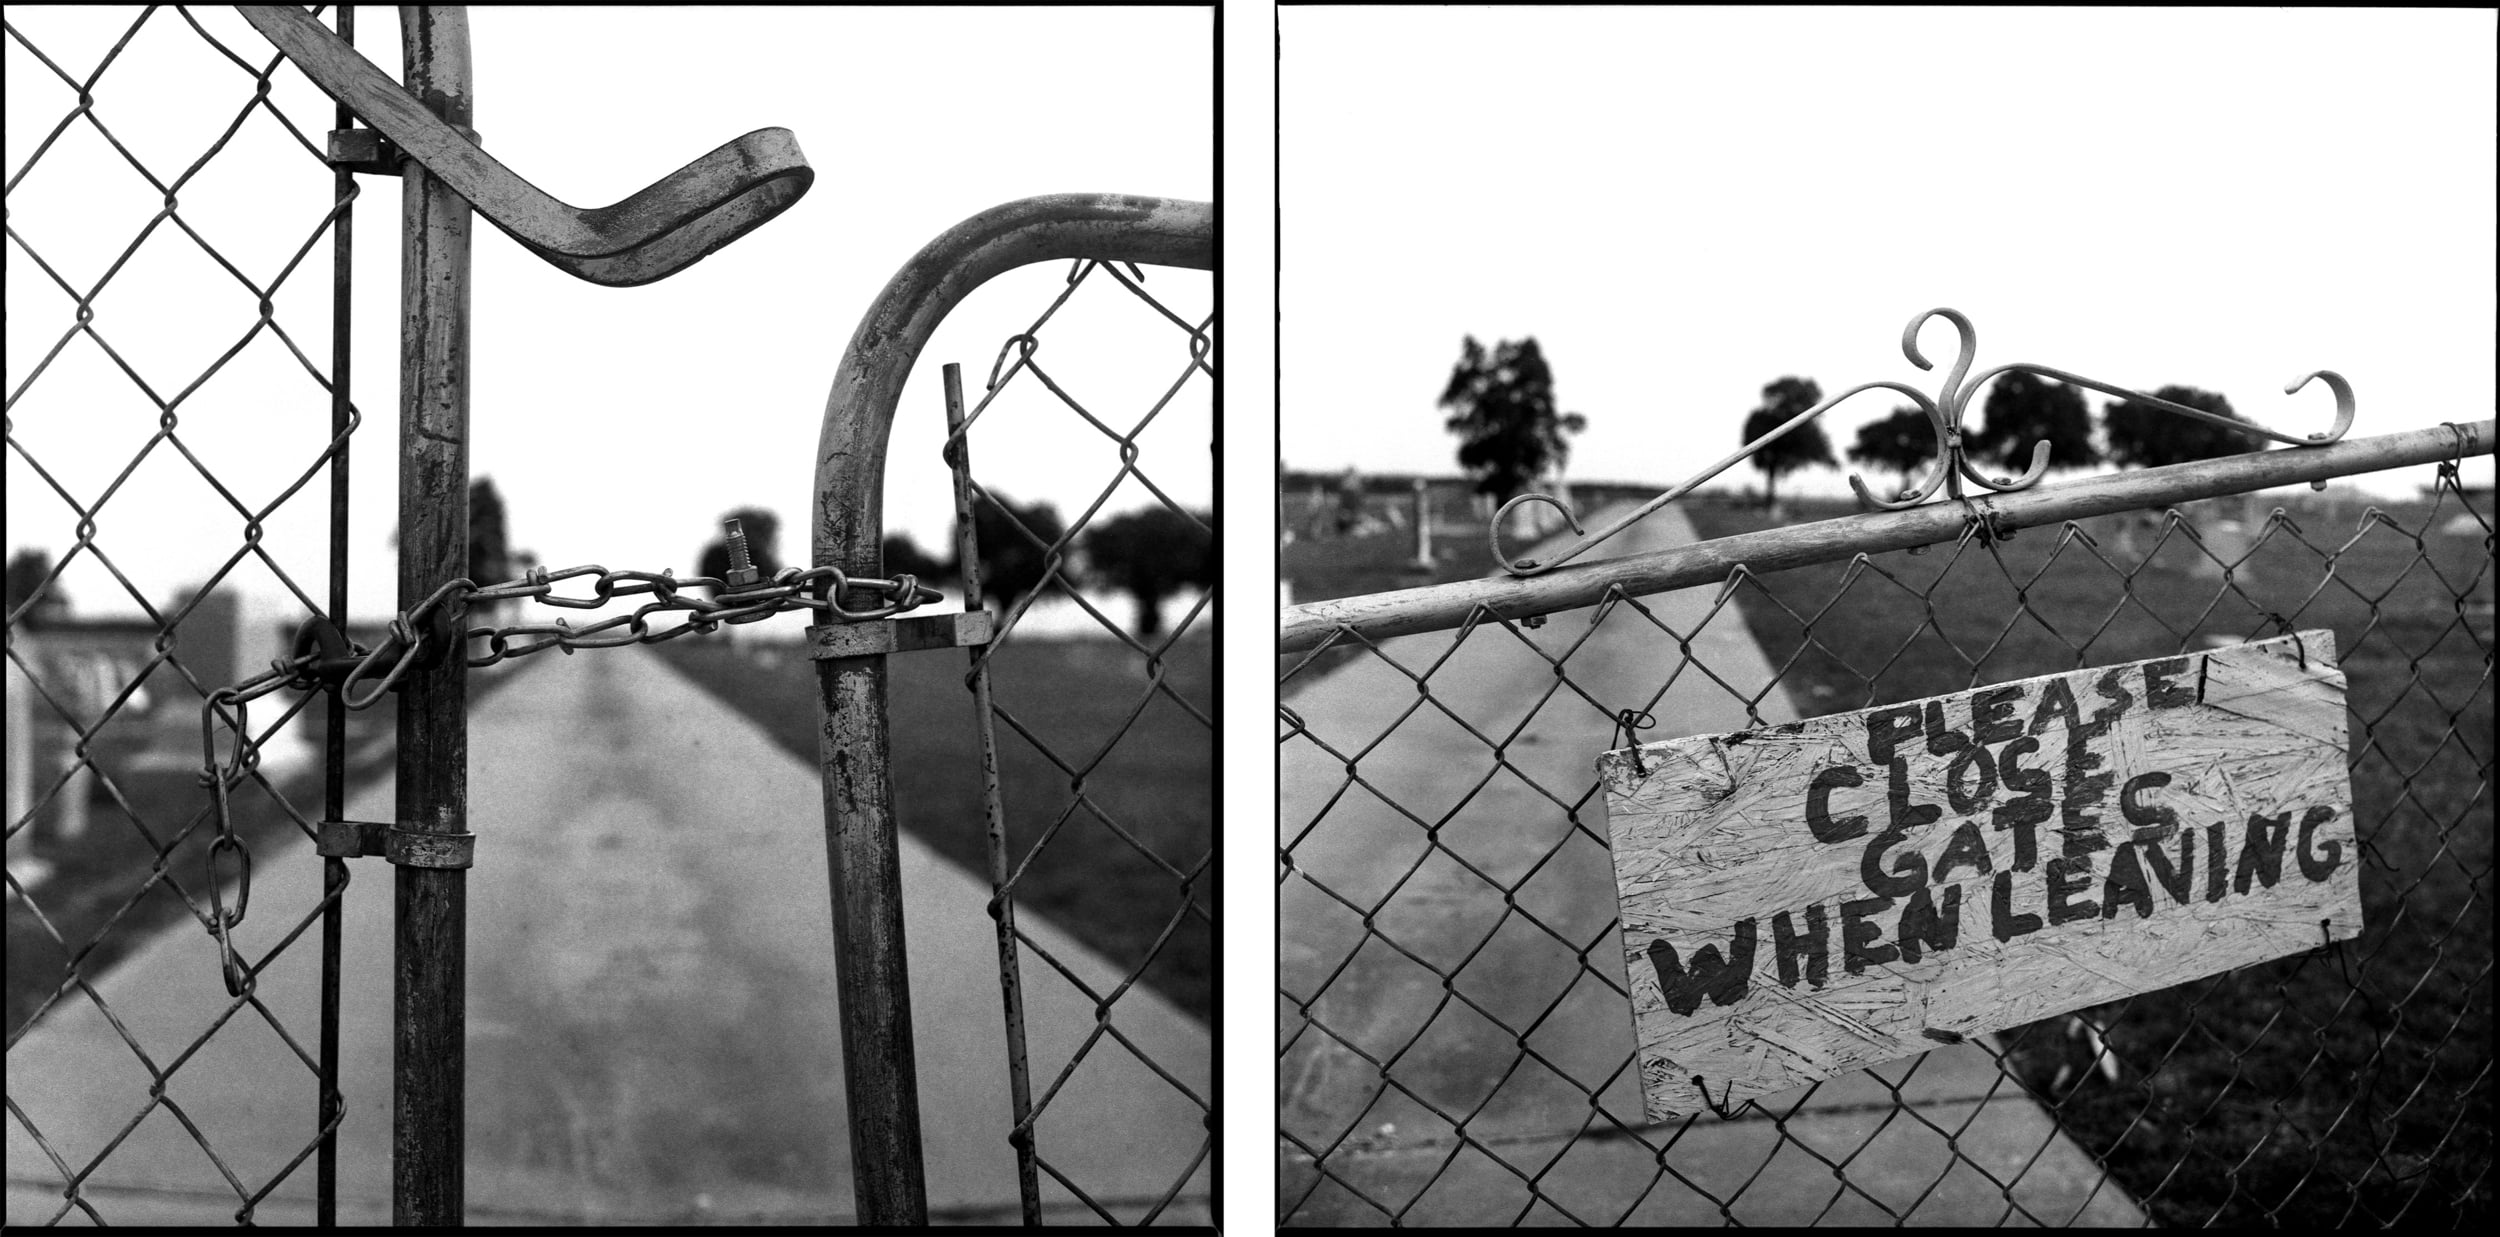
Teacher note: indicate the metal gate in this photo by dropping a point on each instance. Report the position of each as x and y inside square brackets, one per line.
[201, 850]
[90, 707]
[1452, 1037]
[1099, 235]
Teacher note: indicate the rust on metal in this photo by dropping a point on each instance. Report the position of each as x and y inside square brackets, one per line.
[430, 962]
[880, 1073]
[911, 635]
[420, 848]
[350, 839]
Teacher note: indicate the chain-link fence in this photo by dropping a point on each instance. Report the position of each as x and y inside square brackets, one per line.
[1098, 735]
[1453, 1025]
[156, 393]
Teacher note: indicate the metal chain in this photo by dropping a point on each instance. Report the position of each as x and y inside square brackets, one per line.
[411, 638]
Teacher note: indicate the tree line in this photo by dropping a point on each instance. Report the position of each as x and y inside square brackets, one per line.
[1151, 554]
[1511, 431]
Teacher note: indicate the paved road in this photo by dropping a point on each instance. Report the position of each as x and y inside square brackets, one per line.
[652, 1033]
[1521, 1044]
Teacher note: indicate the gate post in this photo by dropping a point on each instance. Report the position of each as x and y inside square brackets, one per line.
[849, 532]
[430, 971]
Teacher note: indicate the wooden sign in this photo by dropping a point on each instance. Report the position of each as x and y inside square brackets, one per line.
[1807, 899]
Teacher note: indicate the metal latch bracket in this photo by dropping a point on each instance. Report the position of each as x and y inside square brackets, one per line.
[365, 151]
[407, 848]
[902, 635]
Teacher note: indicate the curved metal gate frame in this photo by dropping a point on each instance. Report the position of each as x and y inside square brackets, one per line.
[848, 533]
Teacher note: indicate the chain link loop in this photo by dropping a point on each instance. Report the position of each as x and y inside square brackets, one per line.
[221, 776]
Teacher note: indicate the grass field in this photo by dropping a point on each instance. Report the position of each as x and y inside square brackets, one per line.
[1153, 776]
[2352, 1086]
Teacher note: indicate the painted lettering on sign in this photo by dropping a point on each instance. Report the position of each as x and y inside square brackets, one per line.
[1808, 899]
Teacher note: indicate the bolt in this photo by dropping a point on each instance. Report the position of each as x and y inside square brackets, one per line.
[742, 572]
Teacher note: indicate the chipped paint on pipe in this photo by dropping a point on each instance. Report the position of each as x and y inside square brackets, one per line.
[430, 962]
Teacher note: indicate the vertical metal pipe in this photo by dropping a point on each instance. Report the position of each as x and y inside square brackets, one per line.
[429, 970]
[878, 1069]
[328, 1103]
[1003, 910]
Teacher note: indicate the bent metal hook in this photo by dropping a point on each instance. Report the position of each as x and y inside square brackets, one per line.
[655, 233]
[1945, 418]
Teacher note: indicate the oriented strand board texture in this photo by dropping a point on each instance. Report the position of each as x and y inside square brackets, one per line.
[1811, 898]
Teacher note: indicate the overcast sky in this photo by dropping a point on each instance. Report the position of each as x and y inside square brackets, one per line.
[619, 424]
[1682, 205]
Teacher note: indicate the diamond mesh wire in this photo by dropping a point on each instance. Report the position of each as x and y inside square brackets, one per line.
[1453, 1032]
[120, 734]
[1105, 739]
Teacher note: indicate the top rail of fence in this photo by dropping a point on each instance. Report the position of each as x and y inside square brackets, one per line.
[1445, 606]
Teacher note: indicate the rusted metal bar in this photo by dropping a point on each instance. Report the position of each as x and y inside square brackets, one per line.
[849, 529]
[993, 810]
[329, 1104]
[430, 980]
[1442, 607]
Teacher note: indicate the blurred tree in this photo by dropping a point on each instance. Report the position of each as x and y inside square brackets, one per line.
[1151, 554]
[904, 556]
[2023, 409]
[2143, 436]
[1014, 542]
[1503, 411]
[1804, 445]
[27, 568]
[491, 558]
[490, 540]
[1904, 442]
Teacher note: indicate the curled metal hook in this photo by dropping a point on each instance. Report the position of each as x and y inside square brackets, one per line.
[1951, 464]
[1493, 531]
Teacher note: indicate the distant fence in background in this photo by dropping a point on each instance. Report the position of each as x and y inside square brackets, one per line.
[2350, 1085]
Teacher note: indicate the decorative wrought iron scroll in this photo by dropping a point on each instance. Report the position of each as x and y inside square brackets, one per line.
[1944, 416]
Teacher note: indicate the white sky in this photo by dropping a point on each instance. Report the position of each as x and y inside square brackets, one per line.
[619, 424]
[1682, 205]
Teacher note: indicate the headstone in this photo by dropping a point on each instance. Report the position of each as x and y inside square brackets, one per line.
[1423, 526]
